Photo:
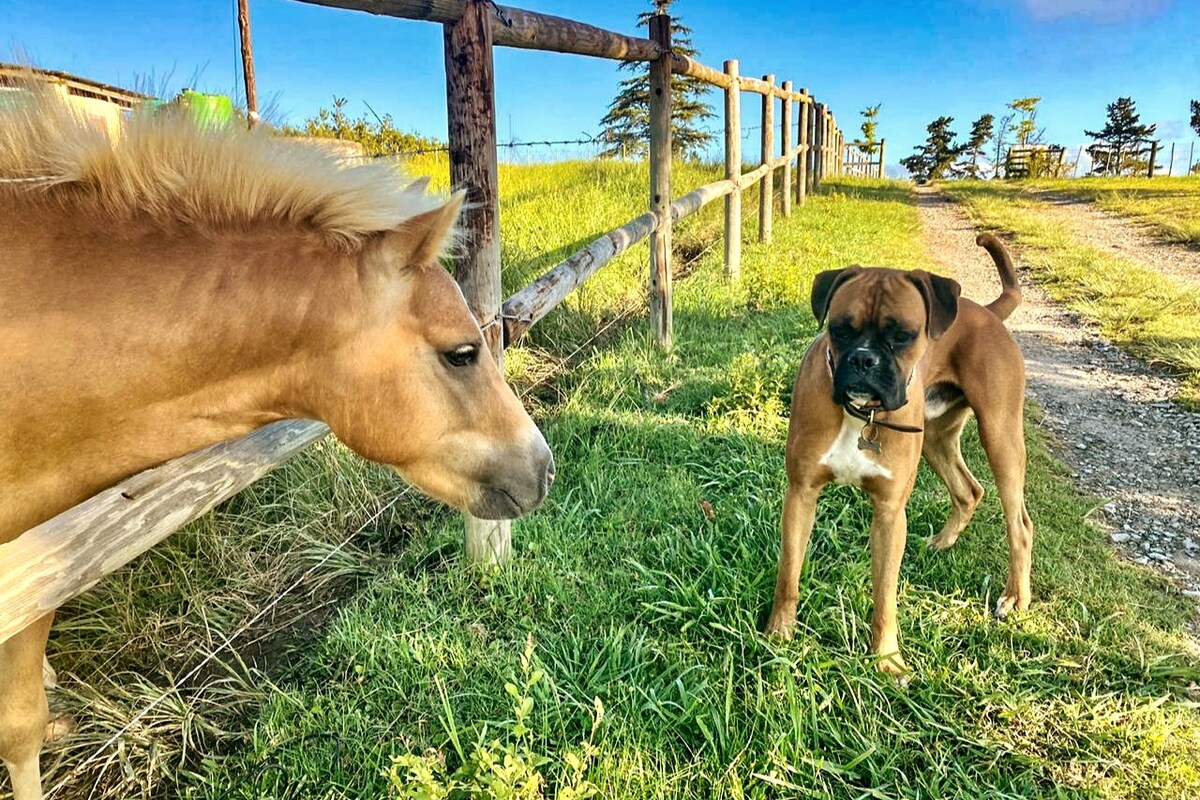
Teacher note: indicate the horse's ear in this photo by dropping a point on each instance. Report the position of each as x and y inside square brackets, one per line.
[423, 238]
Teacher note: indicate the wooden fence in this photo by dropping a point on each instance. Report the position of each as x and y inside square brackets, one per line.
[63, 557]
[863, 160]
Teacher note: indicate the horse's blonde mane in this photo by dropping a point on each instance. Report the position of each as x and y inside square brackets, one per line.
[168, 169]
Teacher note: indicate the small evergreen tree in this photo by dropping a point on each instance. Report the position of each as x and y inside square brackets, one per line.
[626, 127]
[1120, 140]
[933, 159]
[869, 142]
[1196, 116]
[981, 134]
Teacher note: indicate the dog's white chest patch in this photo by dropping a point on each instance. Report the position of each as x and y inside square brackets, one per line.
[849, 464]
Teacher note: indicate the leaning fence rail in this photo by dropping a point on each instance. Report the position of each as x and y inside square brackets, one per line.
[59, 559]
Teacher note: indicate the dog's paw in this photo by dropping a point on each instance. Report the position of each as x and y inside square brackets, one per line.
[943, 540]
[1010, 602]
[893, 664]
[781, 626]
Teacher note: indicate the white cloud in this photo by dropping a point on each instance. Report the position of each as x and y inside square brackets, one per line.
[1097, 10]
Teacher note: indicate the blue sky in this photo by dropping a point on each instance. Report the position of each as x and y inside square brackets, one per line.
[960, 58]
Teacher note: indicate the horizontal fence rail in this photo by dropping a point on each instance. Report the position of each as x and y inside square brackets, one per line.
[59, 559]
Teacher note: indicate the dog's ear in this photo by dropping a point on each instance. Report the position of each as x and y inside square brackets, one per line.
[941, 300]
[824, 285]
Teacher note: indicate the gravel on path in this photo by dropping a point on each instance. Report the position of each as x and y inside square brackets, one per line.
[1114, 418]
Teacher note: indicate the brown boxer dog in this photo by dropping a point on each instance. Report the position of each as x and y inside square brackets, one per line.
[904, 362]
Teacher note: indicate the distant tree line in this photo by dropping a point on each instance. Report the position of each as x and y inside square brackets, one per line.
[1121, 145]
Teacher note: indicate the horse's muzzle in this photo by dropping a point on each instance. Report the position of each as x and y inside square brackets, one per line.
[515, 492]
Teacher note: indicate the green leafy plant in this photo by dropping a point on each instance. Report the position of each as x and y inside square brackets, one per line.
[505, 767]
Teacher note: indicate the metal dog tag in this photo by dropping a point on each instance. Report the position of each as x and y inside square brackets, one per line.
[871, 444]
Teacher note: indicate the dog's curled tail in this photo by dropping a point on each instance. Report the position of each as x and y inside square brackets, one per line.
[1010, 296]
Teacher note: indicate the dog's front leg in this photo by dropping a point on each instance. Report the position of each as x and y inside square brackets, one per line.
[888, 531]
[799, 512]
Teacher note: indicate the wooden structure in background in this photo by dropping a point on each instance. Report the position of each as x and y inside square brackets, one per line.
[857, 163]
[64, 556]
[102, 105]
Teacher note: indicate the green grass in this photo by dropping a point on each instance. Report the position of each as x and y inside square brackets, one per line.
[1155, 317]
[1170, 206]
[644, 582]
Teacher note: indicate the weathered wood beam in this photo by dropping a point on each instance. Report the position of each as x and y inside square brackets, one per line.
[523, 309]
[515, 27]
[63, 557]
[471, 123]
[733, 170]
[536, 300]
[662, 320]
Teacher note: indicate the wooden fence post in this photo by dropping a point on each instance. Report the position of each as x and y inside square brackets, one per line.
[811, 155]
[766, 185]
[802, 156]
[820, 129]
[660, 183]
[471, 119]
[1171, 162]
[882, 150]
[733, 171]
[1153, 156]
[785, 126]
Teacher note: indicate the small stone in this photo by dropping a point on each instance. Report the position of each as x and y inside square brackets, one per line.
[1190, 544]
[1191, 592]
[1157, 556]
[1117, 538]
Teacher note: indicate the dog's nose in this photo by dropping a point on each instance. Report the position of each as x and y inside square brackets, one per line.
[863, 359]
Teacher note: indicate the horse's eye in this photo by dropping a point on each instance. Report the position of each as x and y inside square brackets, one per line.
[462, 356]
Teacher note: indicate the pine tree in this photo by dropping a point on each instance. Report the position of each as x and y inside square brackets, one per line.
[1121, 137]
[932, 159]
[1196, 116]
[981, 133]
[626, 126]
[869, 115]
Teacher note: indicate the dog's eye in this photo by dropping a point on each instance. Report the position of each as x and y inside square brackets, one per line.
[900, 338]
[841, 332]
[462, 356]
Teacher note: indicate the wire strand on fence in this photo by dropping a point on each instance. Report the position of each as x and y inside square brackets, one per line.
[245, 626]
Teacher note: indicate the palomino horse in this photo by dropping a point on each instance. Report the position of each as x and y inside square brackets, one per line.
[178, 287]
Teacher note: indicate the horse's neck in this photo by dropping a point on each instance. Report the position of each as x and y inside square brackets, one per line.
[122, 351]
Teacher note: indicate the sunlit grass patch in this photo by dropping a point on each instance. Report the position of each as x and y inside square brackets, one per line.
[1170, 206]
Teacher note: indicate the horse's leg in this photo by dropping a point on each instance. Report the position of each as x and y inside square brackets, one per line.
[23, 709]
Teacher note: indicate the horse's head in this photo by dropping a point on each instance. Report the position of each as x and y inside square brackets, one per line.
[413, 385]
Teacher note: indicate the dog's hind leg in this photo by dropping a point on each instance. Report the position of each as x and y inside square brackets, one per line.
[1003, 437]
[944, 455]
[23, 709]
[799, 513]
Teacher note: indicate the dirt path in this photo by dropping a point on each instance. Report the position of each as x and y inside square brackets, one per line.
[1117, 426]
[1097, 228]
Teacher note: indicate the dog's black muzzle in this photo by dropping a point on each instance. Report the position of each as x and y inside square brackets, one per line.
[864, 375]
